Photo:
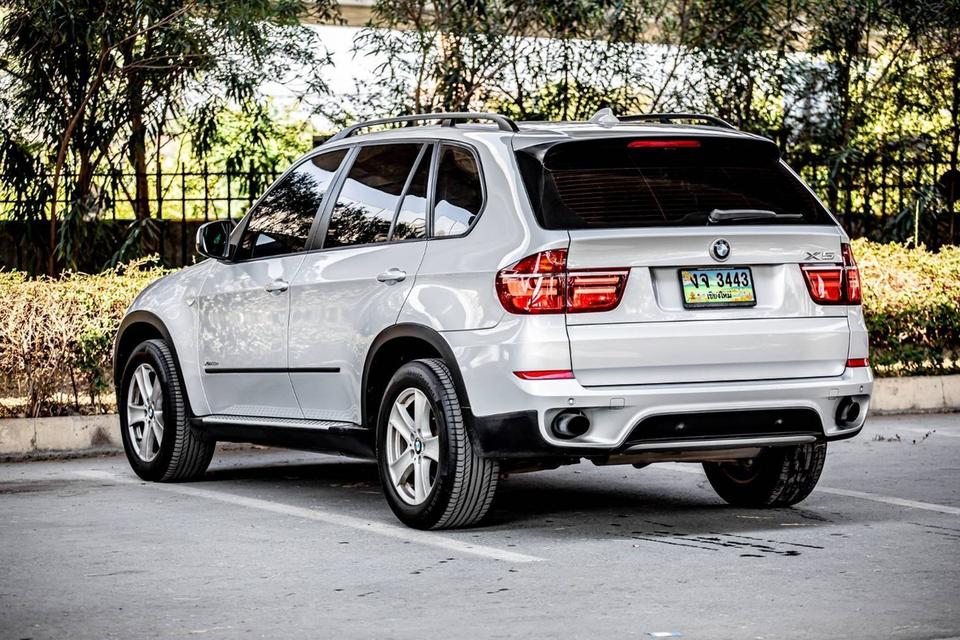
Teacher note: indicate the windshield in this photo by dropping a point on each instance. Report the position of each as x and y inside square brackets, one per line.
[656, 182]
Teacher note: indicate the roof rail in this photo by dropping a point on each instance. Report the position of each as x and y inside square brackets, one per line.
[670, 118]
[447, 119]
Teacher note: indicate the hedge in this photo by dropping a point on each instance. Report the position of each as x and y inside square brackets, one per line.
[911, 300]
[56, 335]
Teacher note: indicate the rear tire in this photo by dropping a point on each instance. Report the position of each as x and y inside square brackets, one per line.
[778, 477]
[158, 439]
[422, 438]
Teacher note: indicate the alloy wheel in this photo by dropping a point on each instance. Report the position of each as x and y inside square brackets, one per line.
[412, 446]
[145, 412]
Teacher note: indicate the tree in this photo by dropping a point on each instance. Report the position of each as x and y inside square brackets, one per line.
[97, 81]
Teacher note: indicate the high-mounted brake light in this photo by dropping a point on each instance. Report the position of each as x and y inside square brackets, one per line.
[834, 284]
[663, 144]
[541, 283]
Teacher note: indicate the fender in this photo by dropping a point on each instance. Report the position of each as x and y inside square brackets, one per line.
[426, 334]
[151, 319]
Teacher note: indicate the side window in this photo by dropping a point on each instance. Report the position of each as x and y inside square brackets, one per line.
[459, 192]
[369, 197]
[281, 221]
[412, 217]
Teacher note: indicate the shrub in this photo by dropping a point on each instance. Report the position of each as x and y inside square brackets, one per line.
[57, 334]
[911, 299]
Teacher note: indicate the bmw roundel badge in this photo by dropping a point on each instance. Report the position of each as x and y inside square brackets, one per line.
[720, 250]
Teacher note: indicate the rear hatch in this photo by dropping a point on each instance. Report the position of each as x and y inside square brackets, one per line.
[712, 231]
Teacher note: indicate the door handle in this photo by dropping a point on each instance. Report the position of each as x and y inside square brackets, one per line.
[277, 287]
[392, 275]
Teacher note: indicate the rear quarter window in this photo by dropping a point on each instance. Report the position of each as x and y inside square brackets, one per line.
[660, 182]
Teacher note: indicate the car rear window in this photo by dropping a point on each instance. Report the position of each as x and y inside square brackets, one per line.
[660, 182]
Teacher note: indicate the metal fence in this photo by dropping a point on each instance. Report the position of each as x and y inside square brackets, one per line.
[866, 196]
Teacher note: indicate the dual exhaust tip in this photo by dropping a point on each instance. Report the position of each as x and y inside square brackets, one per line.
[570, 424]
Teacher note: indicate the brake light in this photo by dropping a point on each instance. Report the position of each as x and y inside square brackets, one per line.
[536, 284]
[663, 144]
[851, 272]
[824, 283]
[858, 362]
[834, 284]
[541, 283]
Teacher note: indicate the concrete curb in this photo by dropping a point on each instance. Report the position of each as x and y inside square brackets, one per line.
[917, 394]
[39, 437]
[20, 436]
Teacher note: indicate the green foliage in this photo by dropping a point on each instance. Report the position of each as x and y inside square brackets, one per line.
[911, 300]
[56, 335]
[88, 87]
[856, 92]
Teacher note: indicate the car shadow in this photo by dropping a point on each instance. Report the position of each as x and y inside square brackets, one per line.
[679, 510]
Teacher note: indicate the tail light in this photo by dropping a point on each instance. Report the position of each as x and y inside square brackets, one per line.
[541, 283]
[834, 284]
[851, 278]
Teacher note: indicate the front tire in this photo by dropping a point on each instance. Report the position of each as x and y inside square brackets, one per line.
[431, 475]
[778, 477]
[158, 439]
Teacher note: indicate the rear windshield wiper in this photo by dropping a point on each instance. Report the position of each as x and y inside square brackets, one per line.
[733, 215]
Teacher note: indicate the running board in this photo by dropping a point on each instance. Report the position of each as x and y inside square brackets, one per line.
[295, 423]
[326, 436]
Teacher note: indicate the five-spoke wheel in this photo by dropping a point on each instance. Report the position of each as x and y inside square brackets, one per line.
[413, 446]
[145, 412]
[432, 476]
[158, 438]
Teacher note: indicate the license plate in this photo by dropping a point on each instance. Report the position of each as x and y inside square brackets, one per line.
[714, 288]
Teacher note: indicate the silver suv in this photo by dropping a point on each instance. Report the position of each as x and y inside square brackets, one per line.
[476, 296]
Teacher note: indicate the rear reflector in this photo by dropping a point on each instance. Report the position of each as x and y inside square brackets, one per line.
[858, 362]
[541, 283]
[547, 374]
[663, 144]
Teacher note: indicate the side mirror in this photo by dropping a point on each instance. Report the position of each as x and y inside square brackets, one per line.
[213, 239]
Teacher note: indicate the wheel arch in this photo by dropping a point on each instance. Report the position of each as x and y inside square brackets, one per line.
[391, 349]
[136, 327]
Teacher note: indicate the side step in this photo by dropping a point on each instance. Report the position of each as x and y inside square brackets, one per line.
[326, 436]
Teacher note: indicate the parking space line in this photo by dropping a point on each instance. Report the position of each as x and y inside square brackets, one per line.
[397, 532]
[847, 493]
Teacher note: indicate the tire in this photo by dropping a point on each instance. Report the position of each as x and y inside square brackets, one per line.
[460, 485]
[778, 477]
[182, 453]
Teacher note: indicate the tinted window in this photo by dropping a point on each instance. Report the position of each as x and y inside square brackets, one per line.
[281, 221]
[459, 193]
[370, 194]
[412, 217]
[646, 182]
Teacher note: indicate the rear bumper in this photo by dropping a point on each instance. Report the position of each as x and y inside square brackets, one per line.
[512, 417]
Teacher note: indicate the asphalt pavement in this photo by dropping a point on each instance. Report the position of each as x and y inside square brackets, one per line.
[283, 544]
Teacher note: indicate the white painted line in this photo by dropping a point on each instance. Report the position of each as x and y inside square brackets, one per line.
[900, 502]
[847, 493]
[397, 532]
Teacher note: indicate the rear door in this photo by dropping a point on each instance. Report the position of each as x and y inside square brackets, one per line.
[351, 290]
[645, 205]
